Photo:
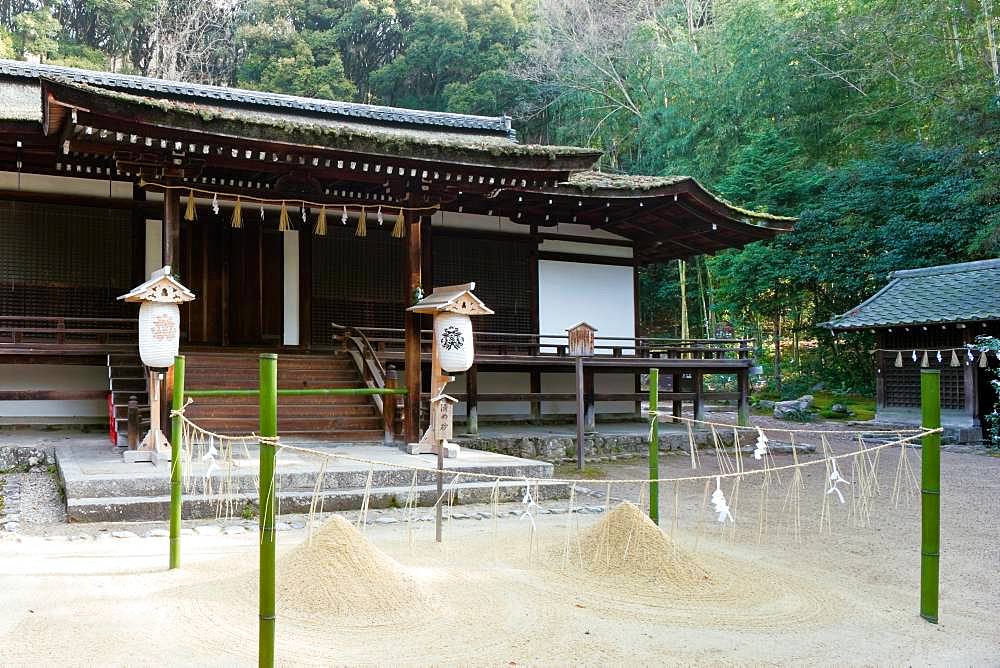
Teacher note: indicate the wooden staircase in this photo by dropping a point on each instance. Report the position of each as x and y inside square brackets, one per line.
[127, 378]
[331, 418]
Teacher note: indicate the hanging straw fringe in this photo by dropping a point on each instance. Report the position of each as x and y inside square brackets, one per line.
[899, 359]
[983, 361]
[320, 229]
[237, 220]
[954, 359]
[283, 224]
[923, 360]
[362, 229]
[191, 212]
[399, 229]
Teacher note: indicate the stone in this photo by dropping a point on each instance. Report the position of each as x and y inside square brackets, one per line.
[765, 405]
[387, 520]
[596, 509]
[157, 533]
[558, 511]
[11, 526]
[785, 409]
[283, 526]
[807, 400]
[298, 525]
[484, 516]
[840, 409]
[124, 534]
[460, 516]
[208, 530]
[235, 530]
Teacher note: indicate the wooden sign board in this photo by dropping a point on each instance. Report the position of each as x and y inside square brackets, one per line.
[442, 416]
[581, 340]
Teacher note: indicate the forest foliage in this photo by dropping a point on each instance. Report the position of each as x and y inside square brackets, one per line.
[876, 122]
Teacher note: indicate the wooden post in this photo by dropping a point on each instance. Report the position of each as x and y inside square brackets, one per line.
[654, 445]
[389, 406]
[268, 429]
[743, 410]
[176, 428]
[472, 401]
[411, 324]
[536, 389]
[699, 395]
[171, 226]
[676, 387]
[580, 416]
[930, 494]
[589, 405]
[133, 422]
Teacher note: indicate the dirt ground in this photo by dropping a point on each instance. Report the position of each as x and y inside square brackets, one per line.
[502, 592]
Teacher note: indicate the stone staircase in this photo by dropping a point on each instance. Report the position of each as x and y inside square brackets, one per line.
[331, 418]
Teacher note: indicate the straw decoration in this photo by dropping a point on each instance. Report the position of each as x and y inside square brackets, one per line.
[362, 228]
[399, 229]
[283, 224]
[320, 229]
[237, 219]
[191, 212]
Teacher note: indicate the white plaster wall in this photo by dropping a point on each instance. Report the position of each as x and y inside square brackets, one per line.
[603, 384]
[600, 294]
[495, 383]
[65, 185]
[154, 246]
[584, 248]
[291, 288]
[472, 221]
[52, 377]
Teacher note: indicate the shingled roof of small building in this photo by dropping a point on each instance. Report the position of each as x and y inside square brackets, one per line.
[965, 292]
[500, 125]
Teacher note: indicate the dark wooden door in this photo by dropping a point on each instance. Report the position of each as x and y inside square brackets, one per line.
[203, 269]
[256, 277]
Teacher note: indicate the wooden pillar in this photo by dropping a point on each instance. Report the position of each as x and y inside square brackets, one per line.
[699, 398]
[969, 381]
[472, 401]
[579, 413]
[590, 407]
[389, 406]
[411, 325]
[675, 386]
[880, 343]
[171, 227]
[743, 411]
[536, 389]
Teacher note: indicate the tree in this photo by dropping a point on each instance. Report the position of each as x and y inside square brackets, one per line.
[35, 33]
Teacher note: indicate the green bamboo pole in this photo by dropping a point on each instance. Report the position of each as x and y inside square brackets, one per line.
[176, 500]
[930, 494]
[654, 446]
[268, 428]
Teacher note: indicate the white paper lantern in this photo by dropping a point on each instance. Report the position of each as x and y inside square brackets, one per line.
[453, 335]
[159, 333]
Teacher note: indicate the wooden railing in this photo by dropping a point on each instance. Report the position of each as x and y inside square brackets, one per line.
[386, 339]
[66, 332]
[374, 375]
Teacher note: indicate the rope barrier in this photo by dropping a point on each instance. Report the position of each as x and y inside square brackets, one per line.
[782, 430]
[567, 481]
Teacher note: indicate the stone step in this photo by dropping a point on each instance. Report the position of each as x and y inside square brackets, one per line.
[200, 506]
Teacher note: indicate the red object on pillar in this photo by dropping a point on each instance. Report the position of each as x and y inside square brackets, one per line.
[112, 423]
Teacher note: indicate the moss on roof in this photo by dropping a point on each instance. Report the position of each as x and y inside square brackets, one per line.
[350, 136]
[594, 182]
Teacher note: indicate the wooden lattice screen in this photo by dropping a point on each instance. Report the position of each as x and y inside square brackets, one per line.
[356, 281]
[501, 269]
[64, 261]
[902, 384]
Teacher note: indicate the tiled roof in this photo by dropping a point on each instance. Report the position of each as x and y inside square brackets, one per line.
[965, 292]
[223, 95]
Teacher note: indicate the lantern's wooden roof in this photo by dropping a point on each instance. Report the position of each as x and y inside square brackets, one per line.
[161, 287]
[452, 299]
[582, 323]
